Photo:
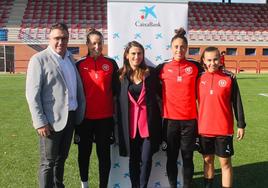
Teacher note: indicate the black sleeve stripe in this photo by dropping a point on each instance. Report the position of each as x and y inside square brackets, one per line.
[159, 67]
[115, 76]
[77, 63]
[197, 64]
[237, 104]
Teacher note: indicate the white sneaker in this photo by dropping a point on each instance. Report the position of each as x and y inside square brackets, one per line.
[84, 184]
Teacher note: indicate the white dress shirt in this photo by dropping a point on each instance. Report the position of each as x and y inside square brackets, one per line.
[70, 77]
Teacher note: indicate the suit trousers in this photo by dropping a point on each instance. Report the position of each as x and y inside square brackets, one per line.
[140, 161]
[54, 150]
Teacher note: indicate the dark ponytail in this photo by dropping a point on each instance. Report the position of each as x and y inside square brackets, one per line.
[93, 31]
[180, 33]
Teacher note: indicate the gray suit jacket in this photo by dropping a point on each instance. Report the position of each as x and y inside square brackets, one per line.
[47, 93]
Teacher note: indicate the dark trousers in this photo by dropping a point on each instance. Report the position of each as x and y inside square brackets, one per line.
[180, 135]
[98, 131]
[54, 150]
[140, 161]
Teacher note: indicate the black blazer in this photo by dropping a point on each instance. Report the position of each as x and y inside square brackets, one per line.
[153, 114]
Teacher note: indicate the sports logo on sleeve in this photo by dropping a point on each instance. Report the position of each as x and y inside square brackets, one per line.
[105, 67]
[222, 83]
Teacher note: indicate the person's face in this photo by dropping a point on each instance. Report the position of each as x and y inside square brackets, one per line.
[95, 45]
[212, 61]
[179, 49]
[58, 41]
[135, 57]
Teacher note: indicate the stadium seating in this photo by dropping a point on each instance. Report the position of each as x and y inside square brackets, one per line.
[207, 21]
[5, 7]
[239, 22]
[79, 15]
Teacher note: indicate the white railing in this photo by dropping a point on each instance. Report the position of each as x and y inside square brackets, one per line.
[40, 35]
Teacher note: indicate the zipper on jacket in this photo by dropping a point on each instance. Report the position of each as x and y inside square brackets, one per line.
[211, 92]
[95, 67]
[179, 77]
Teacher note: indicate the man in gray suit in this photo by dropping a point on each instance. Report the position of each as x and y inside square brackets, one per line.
[56, 101]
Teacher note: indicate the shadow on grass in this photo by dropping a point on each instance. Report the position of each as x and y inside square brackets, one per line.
[247, 176]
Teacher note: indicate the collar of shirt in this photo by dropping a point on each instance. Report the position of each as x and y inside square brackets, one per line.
[177, 62]
[69, 75]
[97, 59]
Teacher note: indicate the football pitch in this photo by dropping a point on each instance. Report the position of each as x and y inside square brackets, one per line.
[19, 155]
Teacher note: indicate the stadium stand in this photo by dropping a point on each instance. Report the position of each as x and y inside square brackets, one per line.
[5, 7]
[228, 22]
[229, 26]
[78, 14]
[218, 22]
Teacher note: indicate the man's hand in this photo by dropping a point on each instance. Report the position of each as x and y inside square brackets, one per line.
[45, 130]
[240, 134]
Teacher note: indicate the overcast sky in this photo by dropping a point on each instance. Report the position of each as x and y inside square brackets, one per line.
[235, 1]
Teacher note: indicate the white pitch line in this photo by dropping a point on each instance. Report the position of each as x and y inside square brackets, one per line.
[264, 94]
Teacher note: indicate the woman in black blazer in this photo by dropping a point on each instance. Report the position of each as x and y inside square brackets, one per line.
[139, 119]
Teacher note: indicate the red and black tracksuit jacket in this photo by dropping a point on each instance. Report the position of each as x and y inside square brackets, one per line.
[218, 96]
[100, 81]
[178, 80]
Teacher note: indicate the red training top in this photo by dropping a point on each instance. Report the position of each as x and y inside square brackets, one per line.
[98, 80]
[179, 89]
[217, 94]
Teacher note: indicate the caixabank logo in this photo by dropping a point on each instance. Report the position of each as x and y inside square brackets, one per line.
[148, 17]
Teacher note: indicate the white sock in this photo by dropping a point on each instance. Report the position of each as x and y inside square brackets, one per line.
[84, 184]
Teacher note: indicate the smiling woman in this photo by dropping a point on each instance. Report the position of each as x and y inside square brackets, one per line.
[100, 81]
[178, 76]
[218, 96]
[139, 121]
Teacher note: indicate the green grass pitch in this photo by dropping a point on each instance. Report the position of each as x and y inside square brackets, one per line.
[19, 155]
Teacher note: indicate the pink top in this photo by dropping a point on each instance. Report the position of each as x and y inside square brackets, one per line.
[138, 115]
